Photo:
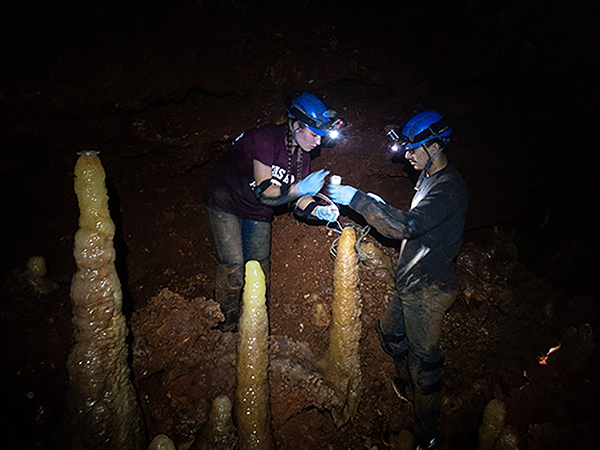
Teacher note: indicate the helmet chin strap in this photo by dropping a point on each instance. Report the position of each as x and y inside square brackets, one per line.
[294, 132]
[427, 166]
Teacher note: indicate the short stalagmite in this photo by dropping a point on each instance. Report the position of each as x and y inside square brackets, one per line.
[343, 359]
[252, 394]
[219, 433]
[106, 413]
[494, 418]
[162, 442]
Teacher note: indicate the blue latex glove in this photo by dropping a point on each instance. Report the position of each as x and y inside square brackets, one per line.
[341, 194]
[327, 213]
[312, 183]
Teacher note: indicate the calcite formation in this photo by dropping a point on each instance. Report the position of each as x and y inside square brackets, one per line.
[106, 413]
[162, 442]
[492, 424]
[219, 433]
[252, 393]
[36, 279]
[343, 356]
[36, 266]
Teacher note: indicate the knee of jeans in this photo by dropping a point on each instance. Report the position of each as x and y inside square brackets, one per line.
[396, 346]
[429, 377]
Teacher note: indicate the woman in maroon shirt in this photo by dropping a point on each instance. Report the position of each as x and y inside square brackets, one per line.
[266, 167]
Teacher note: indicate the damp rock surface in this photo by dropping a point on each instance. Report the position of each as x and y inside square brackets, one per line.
[173, 338]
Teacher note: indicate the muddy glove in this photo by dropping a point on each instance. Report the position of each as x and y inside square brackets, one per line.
[328, 213]
[312, 183]
[341, 194]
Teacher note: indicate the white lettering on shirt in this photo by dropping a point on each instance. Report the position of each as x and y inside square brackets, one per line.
[279, 176]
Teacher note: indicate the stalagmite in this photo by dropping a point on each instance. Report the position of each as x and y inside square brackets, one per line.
[36, 279]
[252, 406]
[36, 266]
[102, 397]
[343, 359]
[494, 416]
[162, 442]
[219, 433]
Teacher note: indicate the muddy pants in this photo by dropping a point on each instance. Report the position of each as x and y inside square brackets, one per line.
[237, 241]
[410, 331]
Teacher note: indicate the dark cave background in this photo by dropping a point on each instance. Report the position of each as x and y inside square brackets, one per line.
[162, 88]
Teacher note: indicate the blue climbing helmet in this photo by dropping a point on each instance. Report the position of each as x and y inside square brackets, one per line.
[311, 111]
[424, 127]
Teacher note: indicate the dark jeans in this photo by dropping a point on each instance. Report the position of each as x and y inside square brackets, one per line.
[237, 241]
[410, 330]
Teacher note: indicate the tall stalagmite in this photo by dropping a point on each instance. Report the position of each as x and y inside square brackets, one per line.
[106, 413]
[343, 359]
[252, 406]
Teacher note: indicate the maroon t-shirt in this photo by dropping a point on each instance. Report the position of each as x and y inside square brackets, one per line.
[229, 187]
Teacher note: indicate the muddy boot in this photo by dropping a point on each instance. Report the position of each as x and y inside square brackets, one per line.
[427, 386]
[396, 347]
[228, 291]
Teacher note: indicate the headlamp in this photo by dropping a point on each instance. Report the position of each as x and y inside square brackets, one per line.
[392, 134]
[335, 128]
[400, 144]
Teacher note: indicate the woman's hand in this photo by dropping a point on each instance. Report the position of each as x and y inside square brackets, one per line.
[312, 183]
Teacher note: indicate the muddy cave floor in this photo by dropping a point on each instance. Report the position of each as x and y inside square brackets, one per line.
[524, 272]
[505, 319]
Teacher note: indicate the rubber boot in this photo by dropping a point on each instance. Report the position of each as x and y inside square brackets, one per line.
[228, 291]
[426, 382]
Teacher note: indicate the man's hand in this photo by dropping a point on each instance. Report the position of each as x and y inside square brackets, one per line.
[341, 194]
[312, 183]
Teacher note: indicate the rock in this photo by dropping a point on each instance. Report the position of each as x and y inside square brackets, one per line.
[402, 441]
[486, 264]
[508, 439]
[373, 258]
[296, 381]
[321, 315]
[172, 336]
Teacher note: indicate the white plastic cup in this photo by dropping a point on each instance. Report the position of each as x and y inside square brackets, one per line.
[335, 179]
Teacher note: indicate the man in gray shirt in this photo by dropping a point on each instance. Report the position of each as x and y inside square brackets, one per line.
[426, 280]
